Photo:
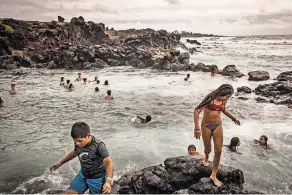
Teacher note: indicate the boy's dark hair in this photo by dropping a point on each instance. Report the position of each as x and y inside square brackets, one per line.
[266, 140]
[98, 81]
[188, 75]
[186, 79]
[233, 143]
[79, 73]
[148, 118]
[80, 130]
[106, 82]
[192, 146]
[68, 81]
[96, 89]
[84, 79]
[62, 78]
[12, 85]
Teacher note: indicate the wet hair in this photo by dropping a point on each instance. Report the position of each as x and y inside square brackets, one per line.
[186, 79]
[192, 146]
[80, 130]
[148, 118]
[70, 85]
[84, 79]
[233, 143]
[223, 90]
[98, 81]
[68, 81]
[62, 78]
[12, 85]
[188, 75]
[266, 140]
[109, 92]
[96, 89]
[106, 82]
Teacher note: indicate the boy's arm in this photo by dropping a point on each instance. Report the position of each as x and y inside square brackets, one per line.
[69, 157]
[109, 169]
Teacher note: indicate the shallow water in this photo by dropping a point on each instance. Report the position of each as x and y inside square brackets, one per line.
[36, 124]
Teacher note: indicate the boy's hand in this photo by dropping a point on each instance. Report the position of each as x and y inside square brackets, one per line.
[107, 188]
[55, 166]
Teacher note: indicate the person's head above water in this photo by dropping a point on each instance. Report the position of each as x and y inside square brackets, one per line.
[234, 142]
[192, 149]
[98, 81]
[148, 118]
[68, 82]
[79, 74]
[188, 75]
[223, 93]
[62, 79]
[264, 140]
[80, 133]
[85, 80]
[71, 86]
[12, 86]
[96, 89]
[106, 82]
[186, 79]
[109, 92]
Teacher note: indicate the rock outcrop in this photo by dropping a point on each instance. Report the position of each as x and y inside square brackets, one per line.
[231, 70]
[181, 173]
[258, 76]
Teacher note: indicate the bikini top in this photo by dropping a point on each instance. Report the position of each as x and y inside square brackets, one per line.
[214, 107]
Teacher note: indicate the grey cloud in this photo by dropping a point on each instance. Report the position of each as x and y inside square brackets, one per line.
[173, 2]
[284, 17]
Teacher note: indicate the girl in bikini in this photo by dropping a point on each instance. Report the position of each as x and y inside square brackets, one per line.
[213, 104]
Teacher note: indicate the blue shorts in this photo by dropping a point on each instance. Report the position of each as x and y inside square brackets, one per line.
[80, 184]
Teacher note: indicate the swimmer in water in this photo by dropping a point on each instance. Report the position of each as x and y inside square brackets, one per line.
[212, 105]
[109, 95]
[71, 87]
[1, 101]
[96, 89]
[188, 75]
[145, 120]
[98, 82]
[263, 141]
[234, 143]
[84, 80]
[79, 78]
[13, 91]
[186, 79]
[66, 86]
[106, 82]
[62, 82]
[95, 79]
[192, 152]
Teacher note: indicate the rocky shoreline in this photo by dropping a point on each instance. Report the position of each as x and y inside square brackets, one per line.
[182, 175]
[84, 45]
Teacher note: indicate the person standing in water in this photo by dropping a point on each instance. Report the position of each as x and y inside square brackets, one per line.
[212, 105]
[62, 82]
[12, 90]
[109, 95]
[95, 79]
[79, 78]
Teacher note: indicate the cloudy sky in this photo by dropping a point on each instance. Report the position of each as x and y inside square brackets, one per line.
[224, 17]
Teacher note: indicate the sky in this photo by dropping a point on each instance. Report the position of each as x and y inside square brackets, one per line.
[221, 17]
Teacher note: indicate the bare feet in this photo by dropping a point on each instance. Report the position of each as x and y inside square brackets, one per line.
[216, 181]
[206, 162]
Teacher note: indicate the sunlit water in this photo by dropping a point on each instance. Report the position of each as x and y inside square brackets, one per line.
[35, 125]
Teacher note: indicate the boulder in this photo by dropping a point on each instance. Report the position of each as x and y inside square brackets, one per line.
[244, 89]
[231, 70]
[258, 76]
[285, 76]
[61, 19]
[180, 174]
